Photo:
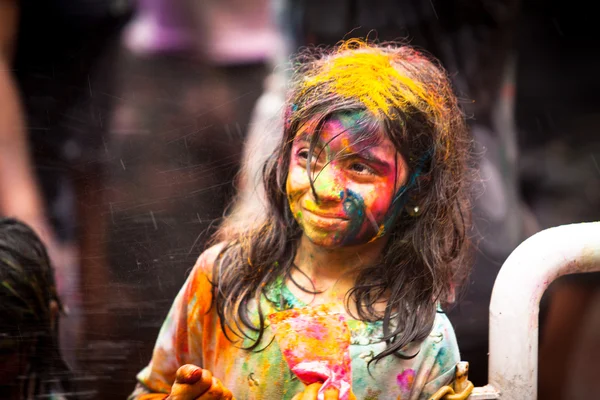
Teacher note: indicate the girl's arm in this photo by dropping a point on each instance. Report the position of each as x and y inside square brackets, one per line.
[180, 338]
[442, 355]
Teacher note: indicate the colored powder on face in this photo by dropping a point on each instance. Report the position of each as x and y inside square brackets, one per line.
[351, 122]
[354, 206]
[405, 379]
[325, 185]
[392, 214]
[366, 207]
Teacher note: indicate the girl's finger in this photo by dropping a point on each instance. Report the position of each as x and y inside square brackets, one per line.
[153, 396]
[227, 395]
[182, 390]
[188, 374]
[332, 394]
[312, 391]
[215, 392]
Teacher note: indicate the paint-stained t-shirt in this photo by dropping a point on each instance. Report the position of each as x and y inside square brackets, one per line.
[192, 334]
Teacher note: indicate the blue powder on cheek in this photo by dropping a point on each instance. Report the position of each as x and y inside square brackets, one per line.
[396, 208]
[341, 194]
[354, 206]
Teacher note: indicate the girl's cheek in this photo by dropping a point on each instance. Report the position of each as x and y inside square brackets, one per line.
[380, 199]
[297, 182]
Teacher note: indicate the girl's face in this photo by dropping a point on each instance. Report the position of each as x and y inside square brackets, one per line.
[356, 179]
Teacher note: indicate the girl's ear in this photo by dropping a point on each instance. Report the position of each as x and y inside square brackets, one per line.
[414, 210]
[415, 204]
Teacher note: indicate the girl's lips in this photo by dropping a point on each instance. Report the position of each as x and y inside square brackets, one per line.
[324, 221]
[327, 215]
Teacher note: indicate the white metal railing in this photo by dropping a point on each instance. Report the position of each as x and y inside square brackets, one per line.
[514, 308]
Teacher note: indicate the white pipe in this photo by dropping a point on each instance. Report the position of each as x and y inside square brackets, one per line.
[514, 307]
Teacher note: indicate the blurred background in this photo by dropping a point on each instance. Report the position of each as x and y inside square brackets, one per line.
[123, 127]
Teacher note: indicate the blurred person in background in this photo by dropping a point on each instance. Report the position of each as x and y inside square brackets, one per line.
[51, 128]
[20, 193]
[222, 32]
[31, 365]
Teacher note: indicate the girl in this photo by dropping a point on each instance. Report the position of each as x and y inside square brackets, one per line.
[336, 292]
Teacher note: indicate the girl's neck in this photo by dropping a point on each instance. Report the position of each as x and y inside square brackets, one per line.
[338, 267]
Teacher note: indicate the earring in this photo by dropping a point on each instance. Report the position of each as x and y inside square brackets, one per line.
[413, 210]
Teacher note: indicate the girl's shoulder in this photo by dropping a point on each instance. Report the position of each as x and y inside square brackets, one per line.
[442, 338]
[442, 327]
[206, 260]
[198, 288]
[200, 279]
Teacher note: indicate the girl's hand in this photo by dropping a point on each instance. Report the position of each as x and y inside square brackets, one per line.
[195, 383]
[311, 391]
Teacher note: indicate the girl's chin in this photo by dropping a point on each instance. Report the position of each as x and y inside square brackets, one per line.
[334, 241]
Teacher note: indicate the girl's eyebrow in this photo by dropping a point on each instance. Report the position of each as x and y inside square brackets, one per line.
[364, 154]
[303, 137]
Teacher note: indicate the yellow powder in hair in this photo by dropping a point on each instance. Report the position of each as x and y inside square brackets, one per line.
[370, 77]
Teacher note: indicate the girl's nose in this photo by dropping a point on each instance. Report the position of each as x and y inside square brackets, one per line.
[329, 184]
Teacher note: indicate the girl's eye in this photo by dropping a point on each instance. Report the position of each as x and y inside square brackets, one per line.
[303, 154]
[361, 169]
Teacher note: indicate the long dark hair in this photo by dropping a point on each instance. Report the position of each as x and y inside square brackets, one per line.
[27, 298]
[426, 256]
